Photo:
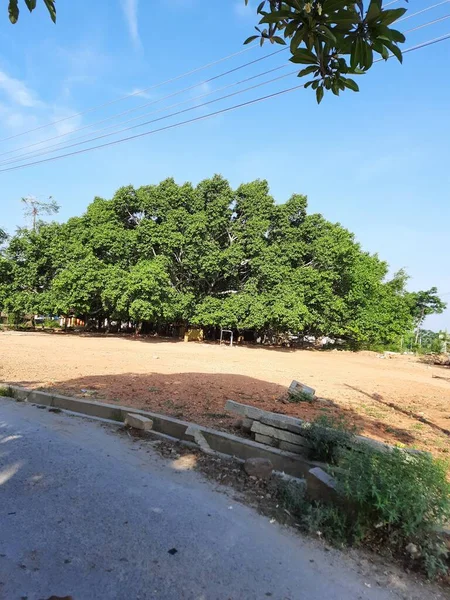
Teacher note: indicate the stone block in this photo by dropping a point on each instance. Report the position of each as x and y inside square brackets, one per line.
[373, 444]
[194, 434]
[264, 439]
[246, 425]
[279, 434]
[138, 422]
[283, 422]
[288, 447]
[258, 467]
[320, 486]
[300, 388]
[244, 410]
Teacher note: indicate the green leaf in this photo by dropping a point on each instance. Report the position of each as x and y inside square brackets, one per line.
[276, 16]
[397, 36]
[50, 4]
[251, 39]
[297, 39]
[307, 71]
[13, 11]
[395, 50]
[384, 52]
[260, 7]
[31, 4]
[278, 40]
[355, 55]
[305, 57]
[327, 33]
[290, 28]
[350, 84]
[374, 10]
[330, 6]
[319, 94]
[367, 55]
[389, 16]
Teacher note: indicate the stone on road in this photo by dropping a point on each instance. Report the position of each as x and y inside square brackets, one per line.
[91, 514]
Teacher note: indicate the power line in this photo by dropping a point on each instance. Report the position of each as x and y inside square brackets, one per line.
[419, 12]
[174, 114]
[137, 93]
[132, 137]
[130, 110]
[45, 150]
[427, 24]
[200, 118]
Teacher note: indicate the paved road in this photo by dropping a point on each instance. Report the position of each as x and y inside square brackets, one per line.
[87, 512]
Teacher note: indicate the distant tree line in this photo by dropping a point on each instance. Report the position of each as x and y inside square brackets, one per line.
[177, 255]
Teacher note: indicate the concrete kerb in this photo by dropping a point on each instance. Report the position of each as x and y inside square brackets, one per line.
[218, 441]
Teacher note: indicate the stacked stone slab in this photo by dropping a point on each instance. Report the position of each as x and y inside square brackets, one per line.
[284, 432]
[272, 429]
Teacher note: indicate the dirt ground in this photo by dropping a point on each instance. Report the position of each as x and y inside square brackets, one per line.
[398, 399]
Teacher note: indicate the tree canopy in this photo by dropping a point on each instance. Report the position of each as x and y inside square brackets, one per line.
[209, 256]
[332, 39]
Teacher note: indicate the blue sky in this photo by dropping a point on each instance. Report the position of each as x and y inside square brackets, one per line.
[377, 161]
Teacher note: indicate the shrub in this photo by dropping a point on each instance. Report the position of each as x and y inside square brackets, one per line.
[401, 498]
[329, 437]
[391, 499]
[7, 392]
[51, 323]
[300, 396]
[314, 518]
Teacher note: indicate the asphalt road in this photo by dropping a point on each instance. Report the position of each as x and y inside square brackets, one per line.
[88, 513]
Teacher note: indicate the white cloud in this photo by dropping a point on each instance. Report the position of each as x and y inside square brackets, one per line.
[130, 9]
[18, 92]
[141, 93]
[22, 112]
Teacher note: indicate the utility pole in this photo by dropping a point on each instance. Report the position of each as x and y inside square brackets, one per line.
[35, 207]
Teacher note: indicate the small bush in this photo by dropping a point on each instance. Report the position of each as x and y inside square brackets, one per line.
[51, 324]
[400, 498]
[300, 396]
[314, 518]
[394, 500]
[7, 392]
[328, 438]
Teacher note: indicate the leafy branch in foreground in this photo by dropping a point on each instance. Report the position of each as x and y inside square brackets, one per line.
[334, 38]
[13, 9]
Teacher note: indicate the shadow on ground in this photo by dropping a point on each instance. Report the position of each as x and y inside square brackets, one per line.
[201, 397]
[378, 398]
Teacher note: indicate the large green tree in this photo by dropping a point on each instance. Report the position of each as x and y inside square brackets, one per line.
[212, 256]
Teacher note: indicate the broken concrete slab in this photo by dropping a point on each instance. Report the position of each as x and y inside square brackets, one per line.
[283, 422]
[293, 448]
[279, 434]
[194, 434]
[246, 425]
[138, 422]
[244, 410]
[297, 388]
[320, 486]
[264, 439]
